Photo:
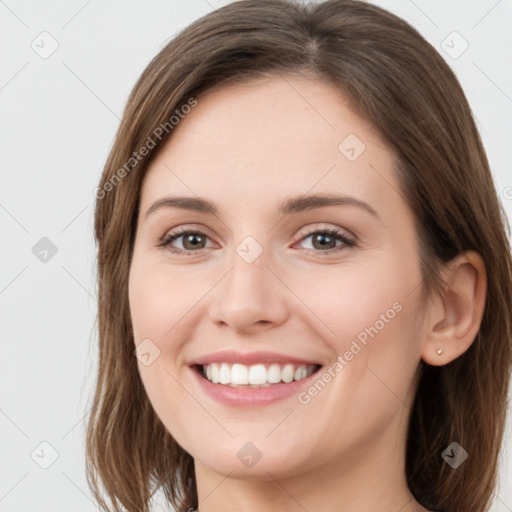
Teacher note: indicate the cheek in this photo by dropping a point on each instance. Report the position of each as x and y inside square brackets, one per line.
[159, 298]
[342, 303]
[157, 303]
[369, 318]
[351, 302]
[361, 312]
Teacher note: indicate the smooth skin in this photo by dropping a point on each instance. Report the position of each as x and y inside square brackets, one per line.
[246, 148]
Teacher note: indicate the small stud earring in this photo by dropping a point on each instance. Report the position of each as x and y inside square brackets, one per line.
[439, 351]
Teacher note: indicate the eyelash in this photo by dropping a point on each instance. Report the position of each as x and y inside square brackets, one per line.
[167, 239]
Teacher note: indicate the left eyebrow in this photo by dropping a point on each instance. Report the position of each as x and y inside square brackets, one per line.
[304, 202]
[291, 205]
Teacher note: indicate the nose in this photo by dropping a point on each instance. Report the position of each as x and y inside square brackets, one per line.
[250, 297]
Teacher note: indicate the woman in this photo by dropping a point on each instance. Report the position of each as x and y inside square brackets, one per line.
[304, 274]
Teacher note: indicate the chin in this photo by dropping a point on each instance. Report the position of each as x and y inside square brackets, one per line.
[248, 460]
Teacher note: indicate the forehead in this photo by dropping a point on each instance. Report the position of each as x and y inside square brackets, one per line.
[269, 138]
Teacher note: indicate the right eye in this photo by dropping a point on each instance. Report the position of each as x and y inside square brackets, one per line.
[192, 241]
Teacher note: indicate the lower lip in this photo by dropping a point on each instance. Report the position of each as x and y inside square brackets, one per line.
[251, 397]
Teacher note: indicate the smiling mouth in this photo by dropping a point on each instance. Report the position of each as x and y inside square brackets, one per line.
[255, 376]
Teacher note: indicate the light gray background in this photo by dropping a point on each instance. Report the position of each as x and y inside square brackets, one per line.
[58, 119]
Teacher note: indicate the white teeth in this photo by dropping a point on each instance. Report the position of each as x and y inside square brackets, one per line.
[239, 375]
[225, 374]
[257, 375]
[215, 373]
[287, 373]
[274, 374]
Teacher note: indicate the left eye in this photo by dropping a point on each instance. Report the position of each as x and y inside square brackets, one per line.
[322, 241]
[325, 240]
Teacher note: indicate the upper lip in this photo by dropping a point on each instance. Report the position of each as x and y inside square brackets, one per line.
[248, 358]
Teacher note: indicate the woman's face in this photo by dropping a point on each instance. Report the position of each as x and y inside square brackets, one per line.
[276, 283]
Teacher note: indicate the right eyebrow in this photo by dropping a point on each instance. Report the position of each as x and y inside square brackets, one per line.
[185, 203]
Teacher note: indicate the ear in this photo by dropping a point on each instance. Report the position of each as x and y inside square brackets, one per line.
[455, 317]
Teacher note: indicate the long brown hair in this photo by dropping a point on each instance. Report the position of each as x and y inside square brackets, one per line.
[397, 81]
